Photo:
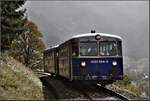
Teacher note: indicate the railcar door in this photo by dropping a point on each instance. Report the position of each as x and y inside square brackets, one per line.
[64, 69]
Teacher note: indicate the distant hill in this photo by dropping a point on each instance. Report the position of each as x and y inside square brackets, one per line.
[18, 82]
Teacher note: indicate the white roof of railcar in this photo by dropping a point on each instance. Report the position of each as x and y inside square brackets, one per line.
[51, 47]
[93, 34]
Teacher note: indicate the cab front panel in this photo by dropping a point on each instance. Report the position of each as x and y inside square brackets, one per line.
[97, 69]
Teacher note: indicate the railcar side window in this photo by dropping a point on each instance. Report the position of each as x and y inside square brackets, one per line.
[88, 49]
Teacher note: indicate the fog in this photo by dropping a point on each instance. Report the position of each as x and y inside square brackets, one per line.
[59, 20]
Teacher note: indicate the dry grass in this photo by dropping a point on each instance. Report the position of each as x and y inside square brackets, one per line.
[18, 82]
[131, 89]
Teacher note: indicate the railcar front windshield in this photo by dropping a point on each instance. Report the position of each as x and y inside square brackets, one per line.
[88, 48]
[104, 48]
[108, 48]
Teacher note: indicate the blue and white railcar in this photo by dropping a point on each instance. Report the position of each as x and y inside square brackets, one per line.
[91, 57]
[98, 57]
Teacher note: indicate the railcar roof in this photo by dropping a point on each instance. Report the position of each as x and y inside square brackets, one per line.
[93, 34]
[85, 35]
[51, 47]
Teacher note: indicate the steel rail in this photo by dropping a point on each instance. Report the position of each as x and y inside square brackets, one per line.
[113, 93]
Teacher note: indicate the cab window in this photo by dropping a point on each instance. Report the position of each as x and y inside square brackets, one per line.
[109, 48]
[88, 49]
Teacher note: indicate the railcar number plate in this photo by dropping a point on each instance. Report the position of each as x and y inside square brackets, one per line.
[99, 61]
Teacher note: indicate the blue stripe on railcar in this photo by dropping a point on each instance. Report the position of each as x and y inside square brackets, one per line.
[97, 69]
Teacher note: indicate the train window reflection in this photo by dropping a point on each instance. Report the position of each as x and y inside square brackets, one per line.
[108, 48]
[88, 49]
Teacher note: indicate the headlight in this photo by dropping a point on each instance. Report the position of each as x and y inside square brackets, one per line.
[83, 64]
[114, 63]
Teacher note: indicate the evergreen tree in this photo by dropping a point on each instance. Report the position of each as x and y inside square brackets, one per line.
[28, 47]
[12, 22]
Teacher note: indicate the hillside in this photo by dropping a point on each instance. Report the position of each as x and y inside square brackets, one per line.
[18, 82]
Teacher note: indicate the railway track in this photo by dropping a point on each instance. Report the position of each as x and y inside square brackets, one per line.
[113, 93]
[63, 89]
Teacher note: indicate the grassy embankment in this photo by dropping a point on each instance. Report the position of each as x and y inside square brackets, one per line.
[18, 82]
[125, 86]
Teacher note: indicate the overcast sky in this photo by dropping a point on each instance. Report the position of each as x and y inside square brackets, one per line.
[59, 20]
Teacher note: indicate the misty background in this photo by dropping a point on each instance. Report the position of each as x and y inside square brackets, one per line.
[59, 20]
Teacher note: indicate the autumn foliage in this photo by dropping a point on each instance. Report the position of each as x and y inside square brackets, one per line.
[28, 47]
